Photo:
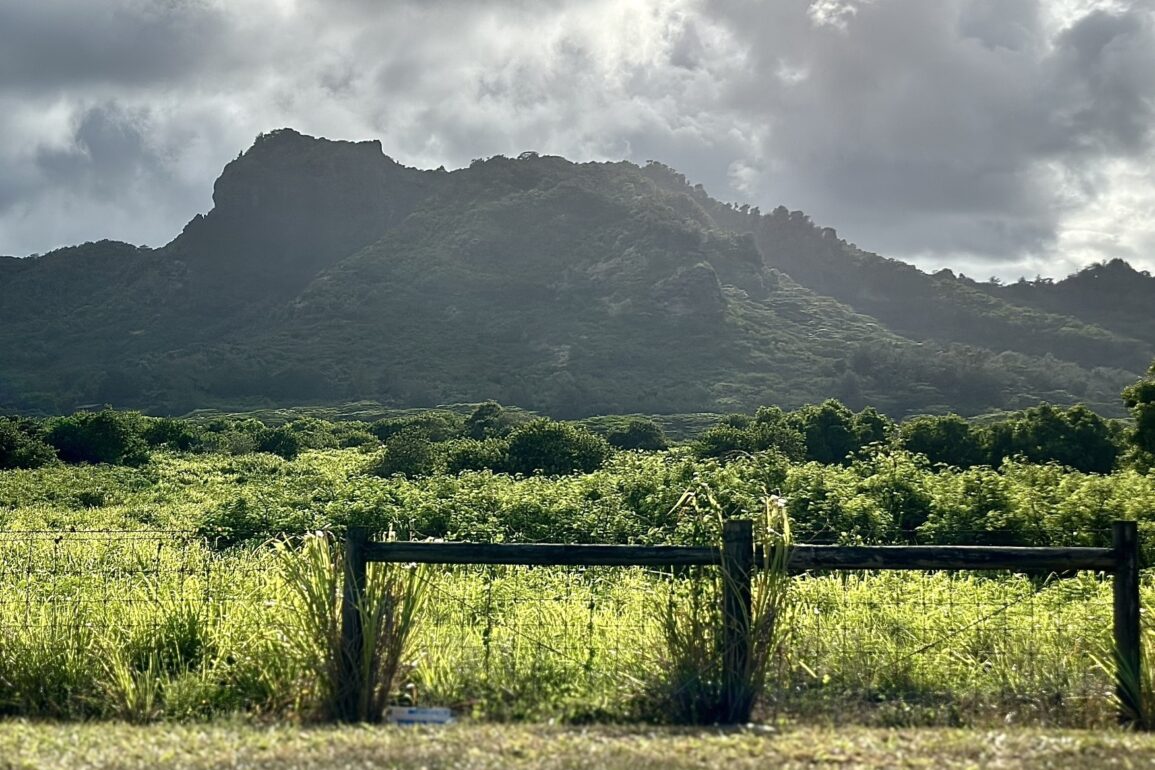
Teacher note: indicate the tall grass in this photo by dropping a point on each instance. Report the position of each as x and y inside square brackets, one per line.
[696, 687]
[390, 610]
[94, 628]
[1135, 688]
[389, 606]
[770, 605]
[309, 623]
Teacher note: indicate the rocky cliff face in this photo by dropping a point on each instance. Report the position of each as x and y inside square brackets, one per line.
[293, 205]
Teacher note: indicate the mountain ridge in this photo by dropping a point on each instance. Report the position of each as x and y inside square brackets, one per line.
[327, 271]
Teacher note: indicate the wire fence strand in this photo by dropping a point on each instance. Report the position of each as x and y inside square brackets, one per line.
[587, 643]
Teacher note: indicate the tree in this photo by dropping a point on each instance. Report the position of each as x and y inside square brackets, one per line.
[871, 427]
[773, 429]
[1140, 399]
[946, 439]
[408, 453]
[434, 425]
[489, 420]
[723, 439]
[828, 430]
[1075, 437]
[769, 428]
[470, 454]
[180, 435]
[283, 442]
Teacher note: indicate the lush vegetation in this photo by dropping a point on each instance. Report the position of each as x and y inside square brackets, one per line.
[163, 626]
[1042, 476]
[138, 550]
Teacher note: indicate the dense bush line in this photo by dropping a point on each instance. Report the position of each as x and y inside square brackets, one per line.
[1043, 476]
[512, 441]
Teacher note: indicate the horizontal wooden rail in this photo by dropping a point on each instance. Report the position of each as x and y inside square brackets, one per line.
[802, 557]
[960, 557]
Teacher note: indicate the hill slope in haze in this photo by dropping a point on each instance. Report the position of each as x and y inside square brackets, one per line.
[327, 272]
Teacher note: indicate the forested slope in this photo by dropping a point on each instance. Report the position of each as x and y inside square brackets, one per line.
[327, 272]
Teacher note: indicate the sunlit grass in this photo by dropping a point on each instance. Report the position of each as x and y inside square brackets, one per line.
[89, 746]
[149, 627]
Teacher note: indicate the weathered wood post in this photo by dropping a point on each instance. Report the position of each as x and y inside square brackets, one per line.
[1128, 662]
[350, 686]
[737, 564]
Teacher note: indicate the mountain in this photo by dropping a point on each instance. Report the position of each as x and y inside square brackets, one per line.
[327, 272]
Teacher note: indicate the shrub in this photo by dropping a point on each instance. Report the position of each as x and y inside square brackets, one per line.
[431, 425]
[555, 448]
[638, 433]
[21, 446]
[283, 442]
[106, 436]
[770, 428]
[490, 420]
[410, 454]
[946, 439]
[180, 435]
[469, 454]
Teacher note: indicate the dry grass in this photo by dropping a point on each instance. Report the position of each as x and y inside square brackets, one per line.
[27, 745]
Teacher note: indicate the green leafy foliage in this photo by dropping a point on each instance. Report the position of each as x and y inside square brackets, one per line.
[1076, 437]
[106, 436]
[283, 442]
[638, 433]
[470, 454]
[178, 656]
[947, 439]
[828, 430]
[489, 420]
[22, 445]
[554, 448]
[1140, 399]
[433, 425]
[409, 453]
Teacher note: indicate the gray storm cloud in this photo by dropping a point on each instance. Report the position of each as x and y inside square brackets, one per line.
[998, 136]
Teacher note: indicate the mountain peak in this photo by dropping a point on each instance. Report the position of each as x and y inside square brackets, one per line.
[293, 203]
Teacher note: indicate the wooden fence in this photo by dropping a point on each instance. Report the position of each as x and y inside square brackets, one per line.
[737, 554]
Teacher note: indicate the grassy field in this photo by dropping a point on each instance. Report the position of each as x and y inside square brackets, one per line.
[152, 626]
[27, 745]
[150, 594]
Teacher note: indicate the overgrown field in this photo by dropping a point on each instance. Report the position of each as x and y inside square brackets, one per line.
[883, 496]
[153, 592]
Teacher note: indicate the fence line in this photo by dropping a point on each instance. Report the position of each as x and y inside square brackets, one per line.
[738, 559]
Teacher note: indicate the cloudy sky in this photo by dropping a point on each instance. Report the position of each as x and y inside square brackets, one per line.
[996, 137]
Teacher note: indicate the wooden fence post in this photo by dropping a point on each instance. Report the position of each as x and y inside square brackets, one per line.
[1128, 661]
[350, 686]
[737, 564]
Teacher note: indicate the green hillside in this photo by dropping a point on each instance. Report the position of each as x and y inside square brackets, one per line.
[327, 273]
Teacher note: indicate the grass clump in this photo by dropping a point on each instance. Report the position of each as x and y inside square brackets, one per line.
[707, 676]
[310, 627]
